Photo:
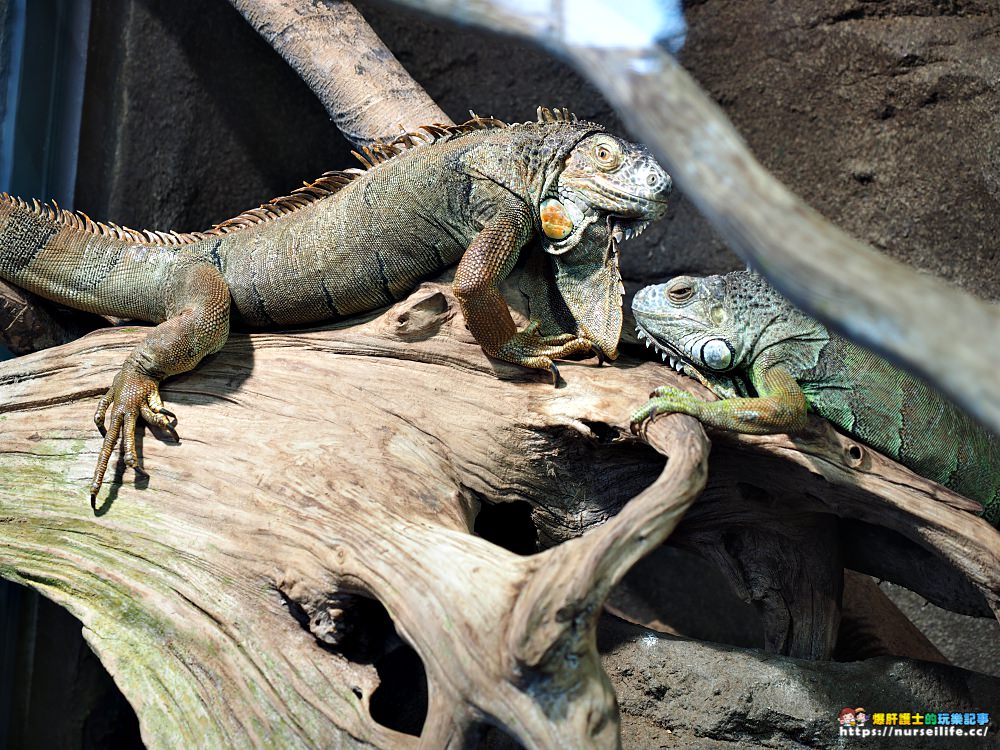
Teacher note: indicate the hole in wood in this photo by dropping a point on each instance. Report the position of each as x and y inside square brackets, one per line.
[400, 700]
[855, 454]
[368, 636]
[495, 738]
[603, 432]
[508, 525]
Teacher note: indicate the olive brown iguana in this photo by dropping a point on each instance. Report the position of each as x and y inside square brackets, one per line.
[770, 363]
[476, 194]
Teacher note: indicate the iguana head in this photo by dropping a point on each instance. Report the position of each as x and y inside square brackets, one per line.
[599, 190]
[714, 328]
[690, 322]
[604, 175]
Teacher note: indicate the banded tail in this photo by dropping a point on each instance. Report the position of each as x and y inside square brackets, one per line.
[70, 259]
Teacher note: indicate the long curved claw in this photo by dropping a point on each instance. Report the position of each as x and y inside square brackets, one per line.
[133, 395]
[161, 419]
[528, 349]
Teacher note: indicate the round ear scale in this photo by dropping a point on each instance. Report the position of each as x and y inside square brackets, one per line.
[556, 222]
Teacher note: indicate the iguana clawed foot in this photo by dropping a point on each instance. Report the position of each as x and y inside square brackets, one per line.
[664, 400]
[133, 394]
[528, 348]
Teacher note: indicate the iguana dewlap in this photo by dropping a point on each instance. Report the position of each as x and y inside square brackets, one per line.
[357, 240]
[769, 363]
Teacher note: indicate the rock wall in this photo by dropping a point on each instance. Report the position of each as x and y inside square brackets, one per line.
[882, 115]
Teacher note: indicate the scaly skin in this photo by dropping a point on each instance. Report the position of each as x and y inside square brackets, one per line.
[770, 363]
[354, 241]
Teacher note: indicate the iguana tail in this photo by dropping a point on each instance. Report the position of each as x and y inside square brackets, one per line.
[70, 259]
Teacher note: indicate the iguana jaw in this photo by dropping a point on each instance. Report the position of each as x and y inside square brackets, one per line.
[671, 355]
[626, 227]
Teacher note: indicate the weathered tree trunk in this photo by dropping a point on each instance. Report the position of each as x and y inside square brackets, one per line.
[374, 445]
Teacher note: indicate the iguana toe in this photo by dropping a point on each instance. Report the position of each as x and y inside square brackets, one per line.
[528, 349]
[639, 417]
[131, 396]
[666, 400]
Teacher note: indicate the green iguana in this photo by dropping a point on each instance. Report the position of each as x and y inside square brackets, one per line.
[476, 194]
[770, 363]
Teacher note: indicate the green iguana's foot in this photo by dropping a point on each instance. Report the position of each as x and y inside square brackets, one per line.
[530, 349]
[133, 394]
[664, 400]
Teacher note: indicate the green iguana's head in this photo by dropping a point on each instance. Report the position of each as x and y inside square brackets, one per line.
[604, 176]
[598, 191]
[712, 328]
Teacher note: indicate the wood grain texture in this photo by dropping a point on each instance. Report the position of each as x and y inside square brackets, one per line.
[351, 460]
[367, 92]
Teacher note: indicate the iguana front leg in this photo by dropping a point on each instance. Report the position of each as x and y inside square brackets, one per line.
[197, 324]
[780, 408]
[486, 263]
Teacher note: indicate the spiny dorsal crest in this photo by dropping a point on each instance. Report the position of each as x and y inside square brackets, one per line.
[425, 135]
[310, 192]
[555, 115]
[382, 151]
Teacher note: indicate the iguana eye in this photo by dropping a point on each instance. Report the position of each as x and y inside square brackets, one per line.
[607, 155]
[717, 354]
[680, 292]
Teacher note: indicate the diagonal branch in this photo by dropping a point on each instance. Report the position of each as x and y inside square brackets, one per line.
[369, 95]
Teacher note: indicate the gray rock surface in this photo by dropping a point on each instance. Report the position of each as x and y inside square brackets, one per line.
[676, 693]
[881, 115]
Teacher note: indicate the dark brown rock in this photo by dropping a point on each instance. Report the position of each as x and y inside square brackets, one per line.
[881, 115]
[678, 693]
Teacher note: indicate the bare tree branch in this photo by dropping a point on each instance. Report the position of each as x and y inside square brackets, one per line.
[362, 85]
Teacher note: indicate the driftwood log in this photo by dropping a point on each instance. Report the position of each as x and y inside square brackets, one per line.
[319, 561]
[327, 477]
[914, 319]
